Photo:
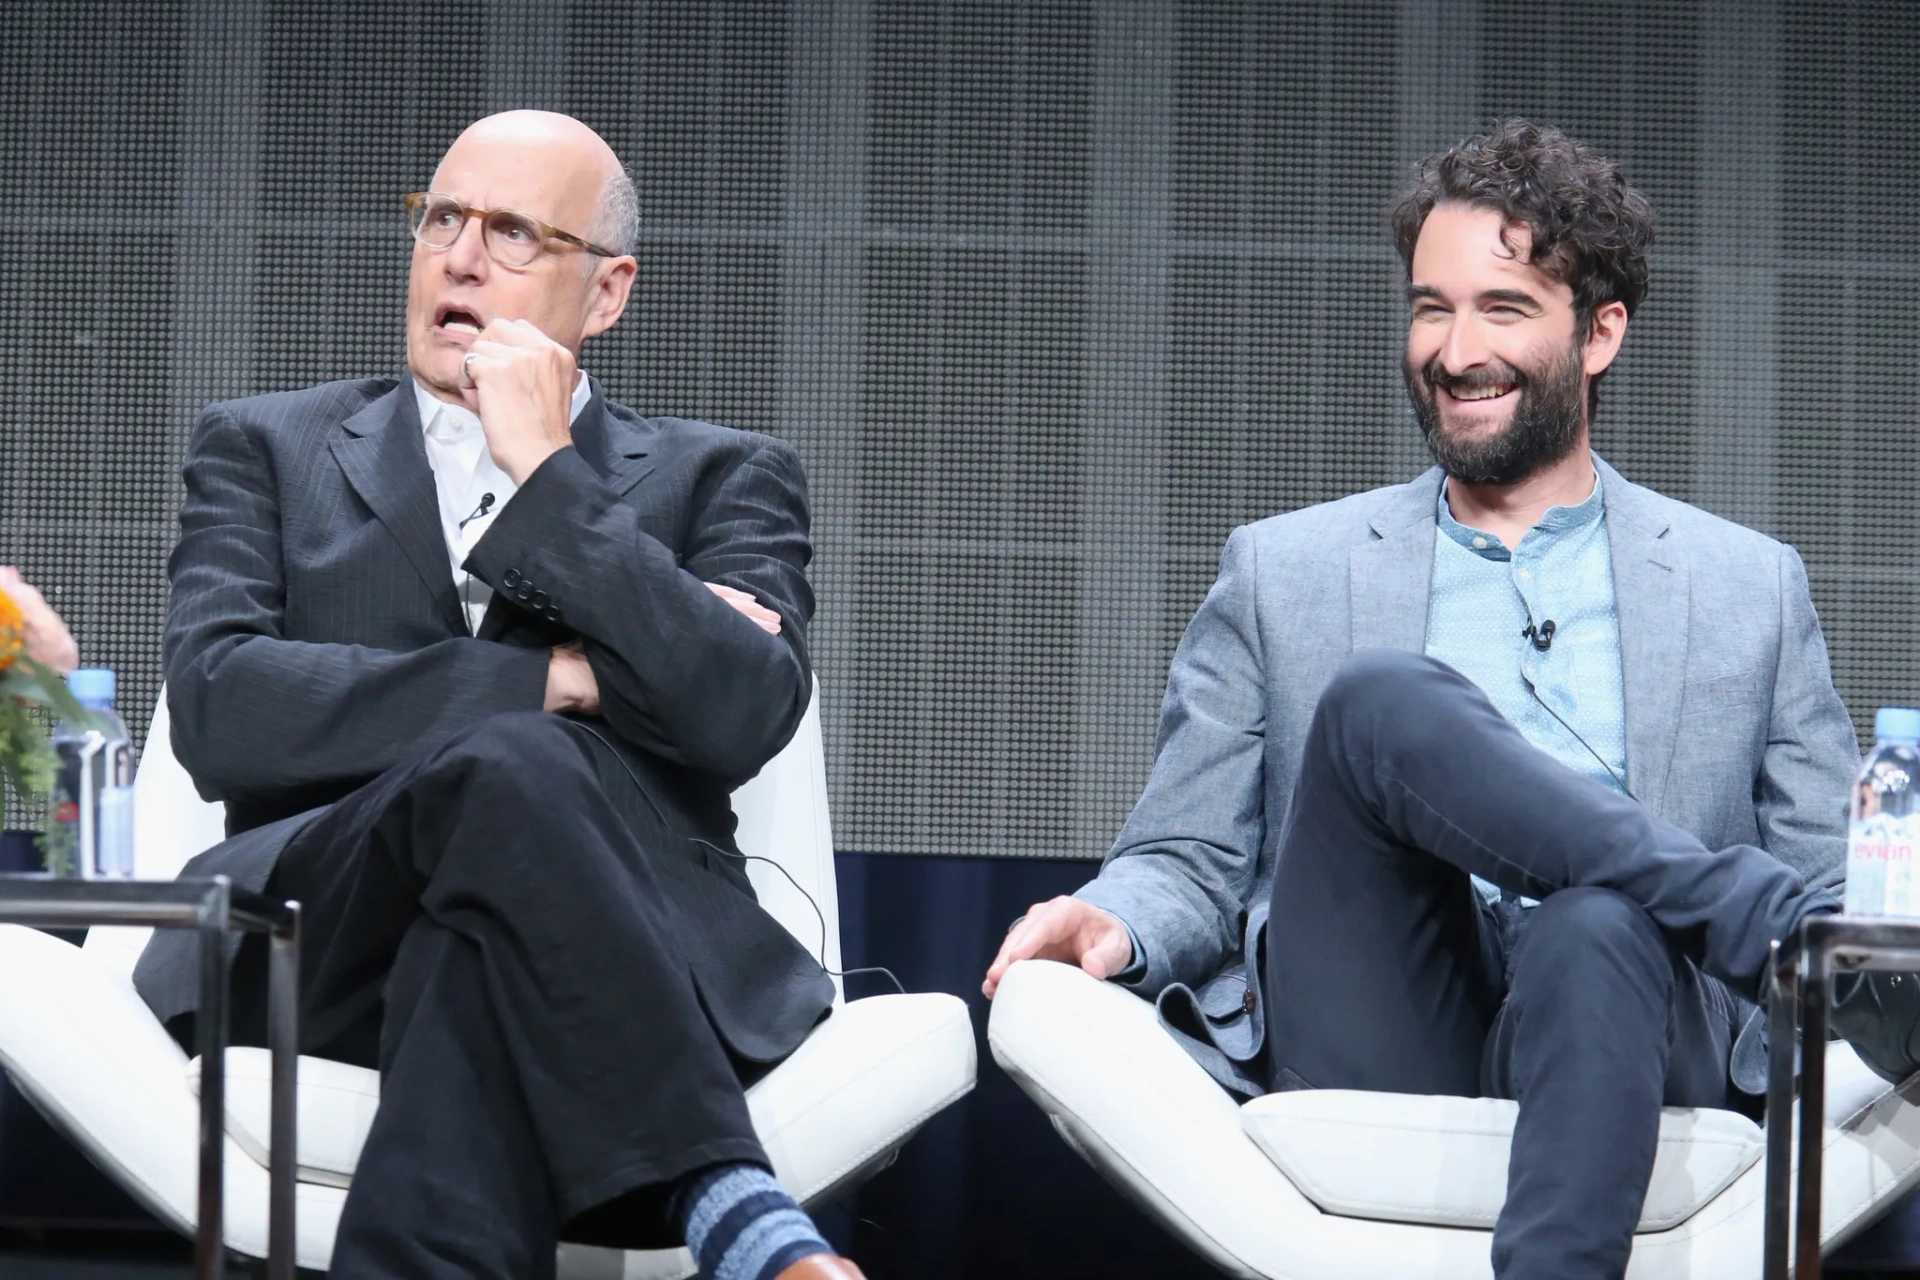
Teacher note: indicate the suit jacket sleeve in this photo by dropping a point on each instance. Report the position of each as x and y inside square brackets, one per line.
[1811, 754]
[1180, 872]
[255, 711]
[683, 675]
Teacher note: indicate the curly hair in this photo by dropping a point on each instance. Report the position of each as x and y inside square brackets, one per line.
[1591, 231]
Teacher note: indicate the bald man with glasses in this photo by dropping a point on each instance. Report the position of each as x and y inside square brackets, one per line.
[474, 658]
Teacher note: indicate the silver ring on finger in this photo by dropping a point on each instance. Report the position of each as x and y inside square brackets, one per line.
[466, 367]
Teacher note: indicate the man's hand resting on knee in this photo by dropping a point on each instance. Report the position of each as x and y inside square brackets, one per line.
[1064, 929]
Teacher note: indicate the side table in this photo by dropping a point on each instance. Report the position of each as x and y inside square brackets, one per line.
[1801, 991]
[217, 910]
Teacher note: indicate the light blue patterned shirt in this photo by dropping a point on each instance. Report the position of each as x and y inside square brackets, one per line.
[1484, 597]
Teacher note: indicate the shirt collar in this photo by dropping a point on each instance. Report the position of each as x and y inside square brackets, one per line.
[1557, 522]
[445, 421]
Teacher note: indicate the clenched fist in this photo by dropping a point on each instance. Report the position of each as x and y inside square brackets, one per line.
[520, 383]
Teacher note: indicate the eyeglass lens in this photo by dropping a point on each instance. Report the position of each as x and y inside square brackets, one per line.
[511, 238]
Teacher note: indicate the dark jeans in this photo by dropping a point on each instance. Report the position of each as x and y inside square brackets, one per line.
[1386, 970]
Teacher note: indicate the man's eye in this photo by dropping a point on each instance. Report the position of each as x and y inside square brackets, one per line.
[516, 233]
[443, 217]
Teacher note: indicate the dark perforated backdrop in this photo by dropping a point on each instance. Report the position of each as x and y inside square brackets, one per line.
[1050, 295]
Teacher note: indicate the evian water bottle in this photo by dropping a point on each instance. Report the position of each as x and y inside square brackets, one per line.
[1885, 830]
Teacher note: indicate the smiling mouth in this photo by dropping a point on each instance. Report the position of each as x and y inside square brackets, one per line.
[1479, 395]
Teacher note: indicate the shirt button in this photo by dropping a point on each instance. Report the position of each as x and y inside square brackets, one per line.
[1526, 573]
[1480, 544]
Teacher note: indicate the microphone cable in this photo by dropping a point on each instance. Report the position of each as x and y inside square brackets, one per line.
[1527, 680]
[818, 914]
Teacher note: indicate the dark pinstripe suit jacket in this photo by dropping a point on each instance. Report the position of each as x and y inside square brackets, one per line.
[315, 636]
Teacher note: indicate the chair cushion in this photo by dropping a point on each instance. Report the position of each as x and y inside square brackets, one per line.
[1094, 1058]
[861, 1083]
[335, 1111]
[1399, 1157]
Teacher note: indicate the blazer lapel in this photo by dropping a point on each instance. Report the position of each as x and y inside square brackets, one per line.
[1651, 592]
[613, 446]
[1390, 576]
[384, 457]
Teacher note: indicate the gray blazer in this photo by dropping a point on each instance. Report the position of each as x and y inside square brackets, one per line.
[1734, 731]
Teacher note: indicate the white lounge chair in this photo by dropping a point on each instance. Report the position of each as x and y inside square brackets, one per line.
[1344, 1185]
[80, 1043]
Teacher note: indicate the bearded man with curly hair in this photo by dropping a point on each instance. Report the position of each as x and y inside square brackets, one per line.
[1499, 783]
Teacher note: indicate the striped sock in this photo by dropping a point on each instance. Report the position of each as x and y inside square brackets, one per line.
[742, 1226]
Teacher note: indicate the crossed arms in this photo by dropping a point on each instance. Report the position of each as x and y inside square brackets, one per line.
[676, 670]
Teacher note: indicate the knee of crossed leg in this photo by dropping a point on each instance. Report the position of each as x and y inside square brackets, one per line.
[532, 757]
[514, 785]
[1374, 682]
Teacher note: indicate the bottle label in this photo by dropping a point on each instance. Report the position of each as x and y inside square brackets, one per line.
[115, 856]
[1881, 870]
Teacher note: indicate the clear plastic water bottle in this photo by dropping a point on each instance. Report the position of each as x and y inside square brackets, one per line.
[1885, 827]
[92, 830]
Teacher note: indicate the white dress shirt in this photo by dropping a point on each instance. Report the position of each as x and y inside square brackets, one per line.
[464, 473]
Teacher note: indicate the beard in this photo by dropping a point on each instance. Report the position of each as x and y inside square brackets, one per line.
[1548, 415]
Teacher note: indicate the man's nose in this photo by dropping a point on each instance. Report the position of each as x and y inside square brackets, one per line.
[1465, 346]
[466, 258]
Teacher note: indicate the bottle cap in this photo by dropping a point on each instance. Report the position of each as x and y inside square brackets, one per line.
[1898, 724]
[93, 687]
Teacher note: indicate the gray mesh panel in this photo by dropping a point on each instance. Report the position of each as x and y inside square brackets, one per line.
[1050, 295]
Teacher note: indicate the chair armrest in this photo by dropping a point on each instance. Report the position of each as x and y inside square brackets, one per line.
[858, 1086]
[1130, 1100]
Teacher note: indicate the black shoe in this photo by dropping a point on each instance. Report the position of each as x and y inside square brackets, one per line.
[1879, 1015]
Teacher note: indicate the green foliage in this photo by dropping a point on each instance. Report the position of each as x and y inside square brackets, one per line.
[29, 695]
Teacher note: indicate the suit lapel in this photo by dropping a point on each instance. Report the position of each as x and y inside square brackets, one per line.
[1651, 591]
[384, 457]
[620, 450]
[1390, 575]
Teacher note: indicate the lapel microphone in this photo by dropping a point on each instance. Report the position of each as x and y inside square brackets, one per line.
[486, 505]
[1541, 636]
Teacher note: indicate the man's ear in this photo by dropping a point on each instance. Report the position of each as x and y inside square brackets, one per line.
[608, 300]
[1605, 332]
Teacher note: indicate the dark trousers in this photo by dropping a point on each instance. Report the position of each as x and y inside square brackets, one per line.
[498, 935]
[1386, 970]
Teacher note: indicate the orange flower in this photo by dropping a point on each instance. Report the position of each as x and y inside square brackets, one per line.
[12, 632]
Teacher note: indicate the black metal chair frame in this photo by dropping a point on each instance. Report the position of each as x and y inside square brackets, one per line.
[217, 910]
[1801, 991]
